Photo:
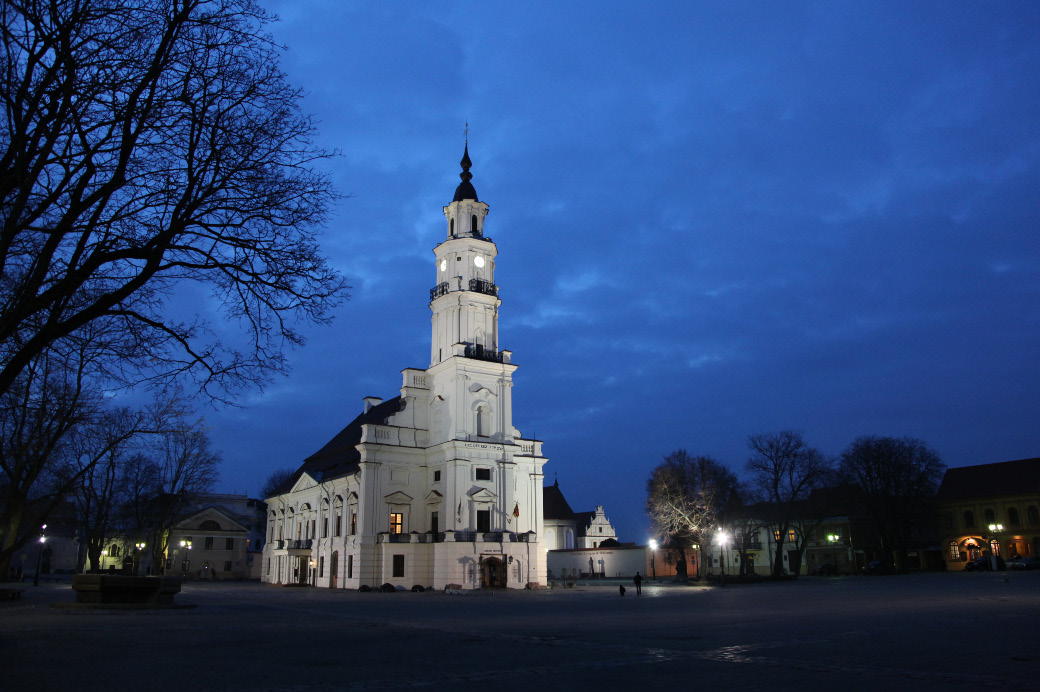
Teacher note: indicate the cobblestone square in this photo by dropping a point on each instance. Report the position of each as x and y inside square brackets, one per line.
[919, 631]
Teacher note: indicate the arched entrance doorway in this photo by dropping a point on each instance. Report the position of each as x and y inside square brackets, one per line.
[492, 573]
[334, 570]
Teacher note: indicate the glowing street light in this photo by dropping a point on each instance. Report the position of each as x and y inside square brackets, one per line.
[994, 529]
[723, 540]
[186, 562]
[39, 555]
[653, 553]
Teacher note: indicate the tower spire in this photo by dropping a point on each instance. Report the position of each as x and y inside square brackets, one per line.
[465, 190]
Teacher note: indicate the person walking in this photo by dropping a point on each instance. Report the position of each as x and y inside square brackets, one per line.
[638, 581]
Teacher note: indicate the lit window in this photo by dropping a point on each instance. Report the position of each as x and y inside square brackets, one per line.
[396, 522]
[790, 536]
[955, 551]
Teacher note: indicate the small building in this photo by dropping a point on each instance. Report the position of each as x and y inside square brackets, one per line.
[990, 509]
[209, 544]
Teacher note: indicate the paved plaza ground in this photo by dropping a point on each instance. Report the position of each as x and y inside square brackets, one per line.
[917, 632]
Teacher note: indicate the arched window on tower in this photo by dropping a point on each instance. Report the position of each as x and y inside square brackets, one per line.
[483, 421]
[451, 228]
[474, 225]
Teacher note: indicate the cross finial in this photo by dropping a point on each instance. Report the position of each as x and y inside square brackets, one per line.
[466, 132]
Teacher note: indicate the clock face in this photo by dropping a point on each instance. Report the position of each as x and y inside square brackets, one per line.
[479, 261]
[444, 264]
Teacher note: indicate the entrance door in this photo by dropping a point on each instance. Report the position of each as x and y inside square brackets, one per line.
[334, 570]
[493, 574]
[303, 577]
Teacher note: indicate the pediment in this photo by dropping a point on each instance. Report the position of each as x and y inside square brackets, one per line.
[398, 498]
[304, 482]
[434, 498]
[224, 519]
[482, 495]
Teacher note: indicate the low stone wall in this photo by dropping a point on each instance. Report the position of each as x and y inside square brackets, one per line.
[116, 589]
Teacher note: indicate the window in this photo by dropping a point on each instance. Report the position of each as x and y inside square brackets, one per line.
[955, 551]
[267, 566]
[321, 566]
[481, 421]
[209, 543]
[473, 222]
[1034, 515]
[990, 517]
[483, 474]
[337, 527]
[314, 523]
[1013, 516]
[436, 476]
[399, 566]
[229, 544]
[209, 525]
[484, 520]
[969, 519]
[227, 565]
[324, 527]
[435, 524]
[776, 536]
[113, 550]
[396, 521]
[350, 566]
[791, 536]
[353, 522]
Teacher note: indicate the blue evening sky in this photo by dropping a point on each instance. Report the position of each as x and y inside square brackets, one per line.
[713, 220]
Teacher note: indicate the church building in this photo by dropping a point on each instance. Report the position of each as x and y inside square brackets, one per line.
[434, 487]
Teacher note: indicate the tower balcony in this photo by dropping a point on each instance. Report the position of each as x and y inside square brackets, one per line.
[438, 291]
[479, 352]
[485, 287]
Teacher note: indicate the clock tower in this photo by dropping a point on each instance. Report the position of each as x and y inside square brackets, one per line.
[472, 379]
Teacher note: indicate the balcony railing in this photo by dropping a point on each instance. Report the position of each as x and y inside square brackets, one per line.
[492, 537]
[438, 290]
[304, 544]
[482, 286]
[480, 353]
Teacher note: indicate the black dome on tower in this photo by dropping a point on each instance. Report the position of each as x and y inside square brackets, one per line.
[465, 190]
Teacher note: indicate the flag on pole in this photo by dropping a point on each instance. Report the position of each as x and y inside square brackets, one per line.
[516, 510]
[458, 512]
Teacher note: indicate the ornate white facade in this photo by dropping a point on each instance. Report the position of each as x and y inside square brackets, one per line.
[434, 487]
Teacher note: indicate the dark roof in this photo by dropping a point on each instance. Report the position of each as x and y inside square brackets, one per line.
[1004, 478]
[340, 456]
[584, 519]
[465, 190]
[554, 504]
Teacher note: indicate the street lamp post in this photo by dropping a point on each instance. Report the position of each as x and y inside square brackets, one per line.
[137, 558]
[653, 554]
[39, 555]
[186, 562]
[994, 529]
[723, 540]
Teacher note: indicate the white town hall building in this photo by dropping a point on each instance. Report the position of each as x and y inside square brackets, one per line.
[434, 487]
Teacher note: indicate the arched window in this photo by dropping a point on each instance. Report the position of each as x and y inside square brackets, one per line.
[955, 551]
[1013, 516]
[474, 225]
[483, 422]
[451, 228]
[1034, 515]
[969, 519]
[990, 517]
[209, 525]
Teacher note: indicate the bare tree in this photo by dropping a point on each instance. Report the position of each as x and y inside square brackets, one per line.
[186, 465]
[685, 499]
[898, 479]
[147, 144]
[46, 402]
[275, 481]
[785, 469]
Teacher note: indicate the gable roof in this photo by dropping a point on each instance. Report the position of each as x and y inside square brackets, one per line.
[554, 504]
[1003, 478]
[339, 456]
